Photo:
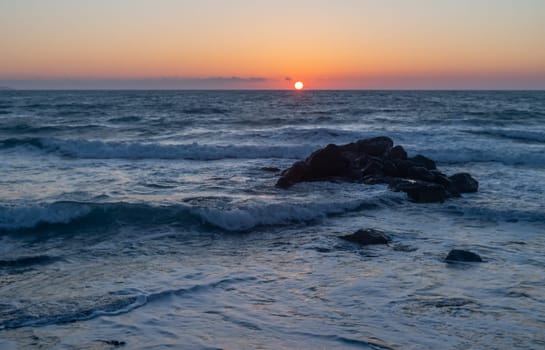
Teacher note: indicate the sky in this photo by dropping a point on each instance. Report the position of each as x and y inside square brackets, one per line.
[257, 44]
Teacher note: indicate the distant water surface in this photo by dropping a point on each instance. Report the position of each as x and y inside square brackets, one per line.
[146, 217]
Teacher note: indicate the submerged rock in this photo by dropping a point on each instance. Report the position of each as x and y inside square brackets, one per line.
[114, 342]
[458, 255]
[270, 169]
[367, 237]
[378, 161]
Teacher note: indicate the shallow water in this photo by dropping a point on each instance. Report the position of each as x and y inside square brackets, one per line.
[146, 218]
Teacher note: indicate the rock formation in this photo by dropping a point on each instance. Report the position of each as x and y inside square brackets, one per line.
[378, 161]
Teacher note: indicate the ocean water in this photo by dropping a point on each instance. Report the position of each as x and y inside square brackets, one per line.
[146, 218]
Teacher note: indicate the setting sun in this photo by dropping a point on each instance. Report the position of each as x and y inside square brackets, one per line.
[299, 85]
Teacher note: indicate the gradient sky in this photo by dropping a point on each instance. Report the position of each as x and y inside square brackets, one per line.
[342, 44]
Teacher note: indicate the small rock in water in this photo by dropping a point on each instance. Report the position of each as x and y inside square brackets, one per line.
[115, 343]
[462, 255]
[271, 169]
[367, 237]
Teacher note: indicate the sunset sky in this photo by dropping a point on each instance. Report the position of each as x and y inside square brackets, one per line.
[252, 44]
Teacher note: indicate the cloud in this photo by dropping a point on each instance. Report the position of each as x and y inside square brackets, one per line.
[288, 79]
[235, 79]
[173, 83]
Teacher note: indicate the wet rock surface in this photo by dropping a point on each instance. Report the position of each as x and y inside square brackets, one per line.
[458, 255]
[367, 237]
[377, 161]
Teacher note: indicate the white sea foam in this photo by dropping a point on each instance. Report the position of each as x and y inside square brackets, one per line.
[245, 218]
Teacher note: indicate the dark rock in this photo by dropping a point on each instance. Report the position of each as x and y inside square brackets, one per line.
[390, 169]
[297, 173]
[367, 237]
[398, 152]
[428, 193]
[402, 167]
[463, 183]
[373, 168]
[360, 162]
[420, 160]
[114, 342]
[270, 169]
[374, 180]
[420, 191]
[440, 178]
[376, 161]
[400, 184]
[328, 161]
[420, 173]
[376, 146]
[462, 255]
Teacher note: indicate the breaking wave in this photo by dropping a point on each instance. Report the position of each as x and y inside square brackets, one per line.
[25, 313]
[133, 150]
[91, 215]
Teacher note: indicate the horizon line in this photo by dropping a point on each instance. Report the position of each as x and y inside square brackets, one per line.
[8, 89]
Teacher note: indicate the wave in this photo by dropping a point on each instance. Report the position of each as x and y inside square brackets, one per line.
[25, 261]
[65, 312]
[83, 215]
[127, 119]
[26, 313]
[507, 114]
[243, 219]
[18, 218]
[89, 216]
[131, 150]
[510, 215]
[206, 110]
[517, 135]
[85, 149]
[24, 128]
[314, 137]
[317, 135]
[507, 156]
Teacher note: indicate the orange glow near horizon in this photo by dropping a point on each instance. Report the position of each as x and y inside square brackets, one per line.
[349, 44]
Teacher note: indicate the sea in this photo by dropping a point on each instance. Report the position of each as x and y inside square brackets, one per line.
[151, 220]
